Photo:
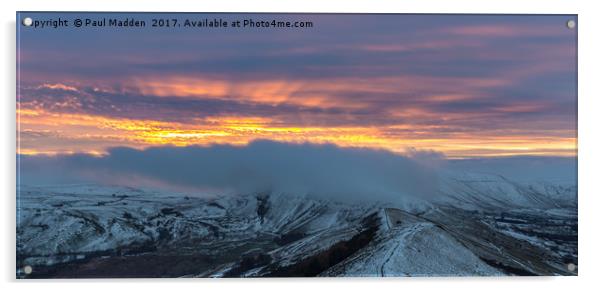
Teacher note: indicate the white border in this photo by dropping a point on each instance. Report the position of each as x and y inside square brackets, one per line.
[589, 140]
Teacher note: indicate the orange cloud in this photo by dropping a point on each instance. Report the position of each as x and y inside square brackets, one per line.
[94, 134]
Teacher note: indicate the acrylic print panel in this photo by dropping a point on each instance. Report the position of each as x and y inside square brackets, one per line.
[285, 145]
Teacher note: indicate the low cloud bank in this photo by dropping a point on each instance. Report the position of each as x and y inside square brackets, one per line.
[324, 171]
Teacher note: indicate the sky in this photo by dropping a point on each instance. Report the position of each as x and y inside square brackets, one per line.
[460, 85]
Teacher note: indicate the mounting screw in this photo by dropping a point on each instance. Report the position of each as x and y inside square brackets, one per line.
[27, 21]
[570, 24]
[571, 267]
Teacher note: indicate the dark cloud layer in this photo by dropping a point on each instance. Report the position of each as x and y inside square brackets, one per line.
[337, 45]
[140, 106]
[322, 171]
[503, 108]
[325, 171]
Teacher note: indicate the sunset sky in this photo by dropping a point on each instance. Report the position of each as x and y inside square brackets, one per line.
[462, 85]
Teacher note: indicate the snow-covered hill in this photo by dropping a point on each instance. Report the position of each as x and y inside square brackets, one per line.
[490, 191]
[478, 224]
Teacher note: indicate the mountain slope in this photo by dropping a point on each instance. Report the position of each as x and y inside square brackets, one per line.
[477, 225]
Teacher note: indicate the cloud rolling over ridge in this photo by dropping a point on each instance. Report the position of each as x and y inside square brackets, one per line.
[324, 171]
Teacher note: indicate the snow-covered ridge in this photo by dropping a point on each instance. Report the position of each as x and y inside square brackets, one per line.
[490, 191]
